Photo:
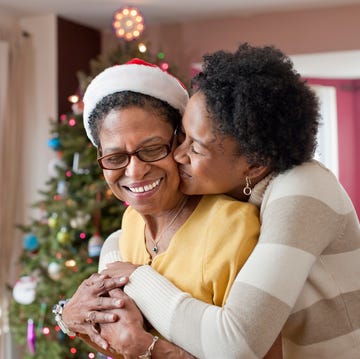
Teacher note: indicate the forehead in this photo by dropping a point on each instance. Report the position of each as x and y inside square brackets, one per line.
[197, 121]
[201, 128]
[132, 126]
[133, 119]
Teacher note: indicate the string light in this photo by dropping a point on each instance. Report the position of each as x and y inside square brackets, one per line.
[70, 263]
[128, 23]
[142, 47]
[72, 122]
[73, 98]
[46, 331]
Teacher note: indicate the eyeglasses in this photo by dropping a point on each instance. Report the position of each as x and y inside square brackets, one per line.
[118, 160]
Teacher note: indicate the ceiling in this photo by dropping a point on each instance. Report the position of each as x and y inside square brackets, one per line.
[98, 13]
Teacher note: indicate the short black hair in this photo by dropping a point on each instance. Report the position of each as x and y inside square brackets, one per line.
[125, 99]
[256, 96]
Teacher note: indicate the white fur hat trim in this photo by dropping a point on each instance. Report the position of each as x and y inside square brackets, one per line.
[139, 76]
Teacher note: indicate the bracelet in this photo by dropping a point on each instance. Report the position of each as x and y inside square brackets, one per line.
[147, 354]
[57, 310]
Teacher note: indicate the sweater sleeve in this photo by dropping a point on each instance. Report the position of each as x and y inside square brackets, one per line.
[266, 288]
[110, 250]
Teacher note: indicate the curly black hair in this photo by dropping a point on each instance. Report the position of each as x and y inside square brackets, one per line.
[125, 99]
[256, 96]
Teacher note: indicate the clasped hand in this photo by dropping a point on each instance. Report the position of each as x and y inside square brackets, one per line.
[100, 312]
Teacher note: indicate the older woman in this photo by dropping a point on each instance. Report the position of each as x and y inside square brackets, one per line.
[131, 113]
[303, 278]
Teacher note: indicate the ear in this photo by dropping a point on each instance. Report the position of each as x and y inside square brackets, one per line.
[256, 173]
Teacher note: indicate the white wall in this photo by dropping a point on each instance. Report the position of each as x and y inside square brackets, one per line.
[40, 103]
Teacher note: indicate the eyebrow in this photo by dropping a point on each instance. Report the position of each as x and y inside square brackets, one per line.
[202, 143]
[140, 145]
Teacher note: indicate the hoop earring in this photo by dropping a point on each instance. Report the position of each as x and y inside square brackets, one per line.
[247, 189]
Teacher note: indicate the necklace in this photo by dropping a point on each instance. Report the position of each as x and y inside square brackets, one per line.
[155, 243]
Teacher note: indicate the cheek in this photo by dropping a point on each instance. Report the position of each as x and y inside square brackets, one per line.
[109, 177]
[112, 178]
[201, 168]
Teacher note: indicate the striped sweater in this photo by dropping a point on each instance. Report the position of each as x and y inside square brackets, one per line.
[302, 279]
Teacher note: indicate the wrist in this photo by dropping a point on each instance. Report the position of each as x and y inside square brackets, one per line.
[149, 350]
[58, 313]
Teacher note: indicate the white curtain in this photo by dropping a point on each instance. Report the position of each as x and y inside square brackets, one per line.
[11, 207]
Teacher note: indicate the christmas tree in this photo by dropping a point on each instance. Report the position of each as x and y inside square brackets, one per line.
[61, 247]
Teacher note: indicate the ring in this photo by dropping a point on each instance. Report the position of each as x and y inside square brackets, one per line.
[90, 317]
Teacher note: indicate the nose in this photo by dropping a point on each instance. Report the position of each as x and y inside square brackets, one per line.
[137, 168]
[180, 154]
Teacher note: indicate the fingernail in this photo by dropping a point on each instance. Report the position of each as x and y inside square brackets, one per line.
[110, 317]
[122, 280]
[117, 302]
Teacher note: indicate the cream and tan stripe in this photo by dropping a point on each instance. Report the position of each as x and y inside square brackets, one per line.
[343, 347]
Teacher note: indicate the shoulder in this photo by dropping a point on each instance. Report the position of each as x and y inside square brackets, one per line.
[310, 180]
[225, 205]
[112, 240]
[305, 176]
[222, 216]
[130, 216]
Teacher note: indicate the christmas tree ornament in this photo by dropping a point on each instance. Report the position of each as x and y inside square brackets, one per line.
[54, 143]
[76, 169]
[54, 270]
[31, 243]
[24, 291]
[160, 55]
[31, 336]
[128, 23]
[54, 165]
[63, 236]
[80, 220]
[164, 66]
[62, 188]
[94, 246]
[72, 122]
[78, 107]
[53, 220]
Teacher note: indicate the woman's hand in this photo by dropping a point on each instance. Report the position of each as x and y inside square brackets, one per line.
[127, 335]
[119, 269]
[89, 304]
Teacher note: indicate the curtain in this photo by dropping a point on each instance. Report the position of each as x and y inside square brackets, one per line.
[11, 97]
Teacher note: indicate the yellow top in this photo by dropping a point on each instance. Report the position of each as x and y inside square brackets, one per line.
[206, 253]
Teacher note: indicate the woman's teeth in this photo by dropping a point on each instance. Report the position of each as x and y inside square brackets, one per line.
[146, 188]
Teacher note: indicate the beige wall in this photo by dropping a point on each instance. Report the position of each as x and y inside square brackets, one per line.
[40, 86]
[295, 32]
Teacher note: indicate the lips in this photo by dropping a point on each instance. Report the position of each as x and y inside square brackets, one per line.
[183, 174]
[146, 188]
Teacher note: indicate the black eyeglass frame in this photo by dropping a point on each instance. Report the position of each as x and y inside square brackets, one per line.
[136, 153]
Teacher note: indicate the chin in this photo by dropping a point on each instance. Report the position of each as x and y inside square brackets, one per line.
[184, 188]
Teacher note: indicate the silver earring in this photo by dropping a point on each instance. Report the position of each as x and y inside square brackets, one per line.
[247, 189]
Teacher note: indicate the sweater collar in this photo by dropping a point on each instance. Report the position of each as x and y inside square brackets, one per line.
[259, 189]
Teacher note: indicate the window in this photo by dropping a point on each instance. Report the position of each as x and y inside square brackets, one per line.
[327, 149]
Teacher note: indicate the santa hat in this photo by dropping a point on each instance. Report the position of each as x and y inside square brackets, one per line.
[137, 76]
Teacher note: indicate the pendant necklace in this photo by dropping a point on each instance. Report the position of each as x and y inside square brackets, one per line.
[155, 243]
